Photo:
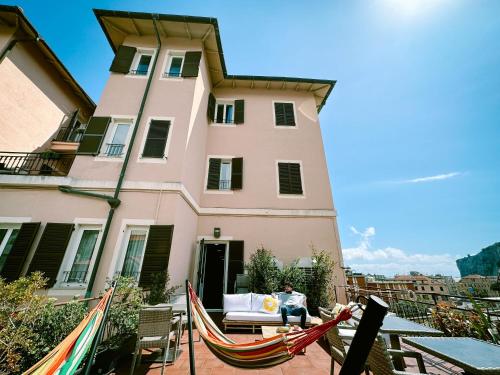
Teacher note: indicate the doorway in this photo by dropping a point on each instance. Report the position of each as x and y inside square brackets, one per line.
[212, 275]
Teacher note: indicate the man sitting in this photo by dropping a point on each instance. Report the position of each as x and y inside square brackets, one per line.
[292, 303]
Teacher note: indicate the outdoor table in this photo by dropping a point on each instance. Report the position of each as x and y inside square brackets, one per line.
[472, 355]
[395, 326]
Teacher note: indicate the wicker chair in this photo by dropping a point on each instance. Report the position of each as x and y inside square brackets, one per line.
[338, 348]
[380, 359]
[154, 332]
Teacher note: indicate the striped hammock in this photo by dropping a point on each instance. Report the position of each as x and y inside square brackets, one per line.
[67, 356]
[264, 353]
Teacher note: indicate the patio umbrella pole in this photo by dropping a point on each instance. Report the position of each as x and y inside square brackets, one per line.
[192, 369]
[365, 335]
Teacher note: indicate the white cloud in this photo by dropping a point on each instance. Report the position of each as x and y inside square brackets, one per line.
[438, 177]
[390, 260]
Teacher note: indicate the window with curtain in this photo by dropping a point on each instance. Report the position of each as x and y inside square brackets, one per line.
[134, 253]
[83, 256]
[7, 238]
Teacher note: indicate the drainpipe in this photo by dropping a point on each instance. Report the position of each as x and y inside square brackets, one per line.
[124, 166]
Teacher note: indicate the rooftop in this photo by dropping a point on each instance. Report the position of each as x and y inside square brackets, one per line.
[118, 24]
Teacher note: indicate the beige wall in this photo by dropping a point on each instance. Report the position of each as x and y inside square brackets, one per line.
[34, 100]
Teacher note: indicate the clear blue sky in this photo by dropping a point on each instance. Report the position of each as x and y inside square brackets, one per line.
[411, 131]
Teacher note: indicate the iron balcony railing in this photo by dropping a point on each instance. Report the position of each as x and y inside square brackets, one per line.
[74, 276]
[47, 163]
[424, 307]
[224, 121]
[138, 72]
[225, 185]
[69, 134]
[114, 149]
[171, 74]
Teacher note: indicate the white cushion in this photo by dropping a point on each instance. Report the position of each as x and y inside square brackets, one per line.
[258, 317]
[237, 302]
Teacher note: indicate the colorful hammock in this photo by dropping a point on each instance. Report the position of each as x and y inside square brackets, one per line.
[263, 353]
[67, 356]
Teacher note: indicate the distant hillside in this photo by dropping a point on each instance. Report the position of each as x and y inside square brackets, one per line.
[485, 263]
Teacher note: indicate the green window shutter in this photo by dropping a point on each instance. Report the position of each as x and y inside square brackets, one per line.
[20, 249]
[295, 179]
[236, 173]
[213, 174]
[284, 114]
[211, 107]
[94, 134]
[156, 139]
[289, 178]
[191, 64]
[239, 111]
[157, 253]
[123, 59]
[50, 250]
[235, 264]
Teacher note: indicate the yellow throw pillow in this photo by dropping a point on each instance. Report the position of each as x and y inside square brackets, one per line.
[338, 308]
[270, 305]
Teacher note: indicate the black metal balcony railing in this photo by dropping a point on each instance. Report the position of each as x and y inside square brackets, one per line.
[35, 163]
[138, 72]
[69, 134]
[74, 276]
[225, 185]
[114, 149]
[224, 121]
[171, 74]
[424, 307]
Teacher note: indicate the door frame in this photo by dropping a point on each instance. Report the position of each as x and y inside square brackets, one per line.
[207, 241]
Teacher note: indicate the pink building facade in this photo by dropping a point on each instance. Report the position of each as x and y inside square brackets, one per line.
[182, 167]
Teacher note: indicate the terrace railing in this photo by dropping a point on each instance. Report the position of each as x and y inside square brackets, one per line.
[69, 134]
[424, 307]
[35, 163]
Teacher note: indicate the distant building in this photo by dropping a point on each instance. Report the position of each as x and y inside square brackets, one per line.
[425, 284]
[477, 286]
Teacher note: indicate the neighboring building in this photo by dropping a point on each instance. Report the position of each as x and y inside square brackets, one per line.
[199, 169]
[42, 107]
[477, 285]
[484, 263]
[425, 287]
[378, 284]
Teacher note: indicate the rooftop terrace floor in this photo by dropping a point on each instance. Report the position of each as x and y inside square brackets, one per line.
[316, 361]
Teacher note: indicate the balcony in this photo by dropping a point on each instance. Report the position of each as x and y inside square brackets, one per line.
[48, 163]
[77, 277]
[224, 184]
[67, 138]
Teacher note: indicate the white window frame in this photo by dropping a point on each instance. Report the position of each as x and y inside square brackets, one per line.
[10, 227]
[81, 224]
[115, 120]
[222, 157]
[168, 61]
[296, 126]
[135, 62]
[163, 160]
[302, 180]
[224, 102]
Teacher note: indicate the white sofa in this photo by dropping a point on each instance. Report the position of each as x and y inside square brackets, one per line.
[242, 312]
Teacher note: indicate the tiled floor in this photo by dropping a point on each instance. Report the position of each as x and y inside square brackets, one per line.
[315, 362]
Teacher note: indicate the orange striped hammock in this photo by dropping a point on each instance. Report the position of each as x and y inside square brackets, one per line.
[66, 357]
[259, 354]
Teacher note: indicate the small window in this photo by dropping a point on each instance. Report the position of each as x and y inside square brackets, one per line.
[441, 288]
[290, 180]
[136, 243]
[142, 63]
[174, 65]
[116, 139]
[225, 175]
[284, 114]
[224, 113]
[8, 234]
[83, 257]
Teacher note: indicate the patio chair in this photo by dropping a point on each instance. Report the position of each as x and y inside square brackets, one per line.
[380, 359]
[336, 341]
[154, 332]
